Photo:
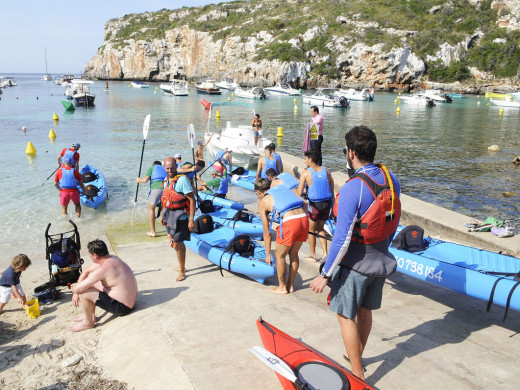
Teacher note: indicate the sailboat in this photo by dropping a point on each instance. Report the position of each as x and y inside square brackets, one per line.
[47, 76]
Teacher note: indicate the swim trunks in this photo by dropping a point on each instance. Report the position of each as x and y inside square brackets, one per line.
[319, 211]
[294, 228]
[67, 196]
[109, 304]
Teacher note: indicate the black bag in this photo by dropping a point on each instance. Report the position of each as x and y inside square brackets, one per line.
[243, 216]
[203, 224]
[88, 177]
[410, 239]
[239, 171]
[206, 206]
[242, 245]
[91, 191]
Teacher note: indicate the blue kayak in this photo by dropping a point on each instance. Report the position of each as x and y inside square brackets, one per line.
[212, 246]
[246, 180]
[253, 227]
[96, 186]
[222, 202]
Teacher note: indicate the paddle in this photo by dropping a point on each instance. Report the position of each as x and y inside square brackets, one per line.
[327, 237]
[145, 134]
[278, 365]
[51, 175]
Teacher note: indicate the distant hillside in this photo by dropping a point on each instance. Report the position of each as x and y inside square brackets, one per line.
[385, 43]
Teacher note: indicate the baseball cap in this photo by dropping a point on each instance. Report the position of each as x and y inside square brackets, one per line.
[76, 145]
[177, 155]
[200, 143]
[215, 171]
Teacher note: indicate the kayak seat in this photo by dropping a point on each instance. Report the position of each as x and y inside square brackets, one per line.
[204, 224]
[89, 177]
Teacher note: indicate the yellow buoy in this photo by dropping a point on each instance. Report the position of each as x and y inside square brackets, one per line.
[52, 134]
[398, 110]
[154, 92]
[55, 117]
[228, 99]
[280, 132]
[395, 101]
[501, 111]
[294, 100]
[295, 107]
[279, 141]
[30, 148]
[217, 114]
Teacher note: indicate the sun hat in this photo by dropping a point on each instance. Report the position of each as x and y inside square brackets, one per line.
[177, 155]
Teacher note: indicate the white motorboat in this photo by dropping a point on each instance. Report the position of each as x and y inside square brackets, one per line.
[139, 84]
[66, 80]
[252, 93]
[283, 89]
[57, 80]
[234, 136]
[208, 87]
[80, 92]
[418, 100]
[507, 102]
[436, 95]
[227, 85]
[7, 81]
[353, 94]
[176, 88]
[325, 97]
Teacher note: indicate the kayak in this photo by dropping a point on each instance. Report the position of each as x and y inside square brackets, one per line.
[475, 272]
[212, 246]
[246, 180]
[224, 216]
[222, 202]
[96, 186]
[309, 366]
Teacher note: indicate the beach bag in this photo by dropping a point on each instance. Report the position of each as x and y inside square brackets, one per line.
[203, 224]
[62, 259]
[88, 177]
[206, 206]
[410, 239]
[242, 216]
[238, 171]
[242, 245]
[91, 191]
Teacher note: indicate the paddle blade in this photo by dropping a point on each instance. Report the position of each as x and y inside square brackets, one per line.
[274, 362]
[191, 135]
[145, 126]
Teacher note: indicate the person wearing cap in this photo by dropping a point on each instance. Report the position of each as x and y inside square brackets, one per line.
[71, 152]
[222, 159]
[218, 185]
[67, 180]
[178, 158]
[199, 152]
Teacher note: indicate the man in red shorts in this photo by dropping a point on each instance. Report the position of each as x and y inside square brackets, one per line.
[289, 210]
[67, 180]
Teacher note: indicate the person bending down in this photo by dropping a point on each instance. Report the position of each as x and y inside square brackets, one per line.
[109, 283]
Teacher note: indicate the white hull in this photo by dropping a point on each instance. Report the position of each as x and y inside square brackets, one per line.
[139, 84]
[176, 88]
[253, 93]
[47, 77]
[516, 95]
[228, 85]
[417, 100]
[353, 95]
[325, 100]
[283, 89]
[505, 103]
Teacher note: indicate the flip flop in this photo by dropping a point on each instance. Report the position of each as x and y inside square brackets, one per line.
[348, 360]
[310, 259]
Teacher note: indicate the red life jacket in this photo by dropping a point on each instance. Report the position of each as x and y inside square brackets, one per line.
[382, 217]
[173, 200]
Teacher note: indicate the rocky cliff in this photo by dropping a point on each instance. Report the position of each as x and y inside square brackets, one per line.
[251, 42]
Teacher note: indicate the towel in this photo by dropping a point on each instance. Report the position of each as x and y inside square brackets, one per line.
[307, 139]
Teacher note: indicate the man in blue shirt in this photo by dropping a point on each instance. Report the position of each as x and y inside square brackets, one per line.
[358, 262]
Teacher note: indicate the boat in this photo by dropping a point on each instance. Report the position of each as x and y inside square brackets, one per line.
[474, 272]
[236, 137]
[311, 367]
[418, 100]
[66, 80]
[221, 202]
[46, 76]
[322, 98]
[139, 84]
[81, 92]
[227, 85]
[456, 95]
[57, 80]
[96, 186]
[7, 81]
[246, 180]
[176, 88]
[495, 95]
[283, 89]
[352, 94]
[436, 95]
[507, 102]
[208, 87]
[252, 93]
[212, 246]
[516, 95]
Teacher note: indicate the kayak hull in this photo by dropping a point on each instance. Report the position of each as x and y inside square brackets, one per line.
[222, 202]
[100, 183]
[224, 217]
[296, 353]
[246, 181]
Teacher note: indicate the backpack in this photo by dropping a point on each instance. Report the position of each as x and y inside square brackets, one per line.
[242, 215]
[239, 171]
[91, 191]
[206, 206]
[410, 239]
[242, 245]
[203, 224]
[88, 177]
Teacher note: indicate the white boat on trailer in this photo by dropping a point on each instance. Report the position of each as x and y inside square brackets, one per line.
[235, 137]
[283, 89]
[322, 98]
[352, 94]
[176, 88]
[252, 93]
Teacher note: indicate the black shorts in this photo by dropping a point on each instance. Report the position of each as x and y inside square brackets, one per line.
[319, 211]
[111, 305]
[182, 232]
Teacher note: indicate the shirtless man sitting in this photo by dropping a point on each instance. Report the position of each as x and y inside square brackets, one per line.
[109, 283]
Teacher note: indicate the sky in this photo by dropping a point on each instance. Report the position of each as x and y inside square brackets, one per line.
[70, 31]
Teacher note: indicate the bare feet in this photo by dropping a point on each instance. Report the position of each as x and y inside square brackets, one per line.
[279, 290]
[151, 234]
[81, 318]
[310, 259]
[291, 289]
[80, 326]
[180, 277]
[348, 360]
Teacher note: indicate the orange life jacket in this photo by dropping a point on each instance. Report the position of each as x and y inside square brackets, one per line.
[173, 200]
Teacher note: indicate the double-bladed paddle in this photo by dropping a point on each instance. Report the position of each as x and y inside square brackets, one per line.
[145, 134]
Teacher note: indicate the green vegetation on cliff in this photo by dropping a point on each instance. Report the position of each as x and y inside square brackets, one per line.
[423, 25]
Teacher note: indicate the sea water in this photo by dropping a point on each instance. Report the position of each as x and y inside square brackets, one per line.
[439, 154]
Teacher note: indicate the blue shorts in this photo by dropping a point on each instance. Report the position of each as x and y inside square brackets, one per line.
[350, 290]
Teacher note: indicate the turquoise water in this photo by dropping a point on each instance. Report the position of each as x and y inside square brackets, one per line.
[440, 154]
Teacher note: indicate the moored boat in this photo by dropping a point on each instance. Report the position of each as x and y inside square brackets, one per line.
[96, 186]
[283, 89]
[325, 97]
[508, 102]
[352, 94]
[139, 84]
[417, 100]
[252, 93]
[208, 87]
[176, 88]
[227, 85]
[81, 92]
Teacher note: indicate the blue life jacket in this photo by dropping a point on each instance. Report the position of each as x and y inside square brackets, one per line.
[268, 164]
[284, 201]
[219, 155]
[189, 175]
[158, 174]
[279, 158]
[68, 181]
[319, 190]
[288, 180]
[69, 155]
[223, 188]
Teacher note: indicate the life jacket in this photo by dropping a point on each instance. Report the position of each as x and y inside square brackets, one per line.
[269, 164]
[219, 155]
[284, 201]
[68, 181]
[288, 180]
[223, 187]
[381, 219]
[172, 199]
[189, 175]
[319, 190]
[69, 155]
[158, 174]
[279, 158]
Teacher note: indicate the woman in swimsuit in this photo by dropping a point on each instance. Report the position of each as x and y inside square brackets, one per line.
[256, 123]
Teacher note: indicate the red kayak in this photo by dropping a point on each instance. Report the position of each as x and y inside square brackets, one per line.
[309, 366]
